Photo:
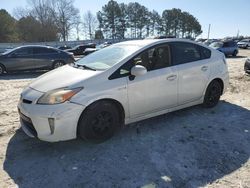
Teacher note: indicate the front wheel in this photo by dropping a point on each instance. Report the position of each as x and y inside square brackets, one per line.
[212, 95]
[235, 53]
[99, 122]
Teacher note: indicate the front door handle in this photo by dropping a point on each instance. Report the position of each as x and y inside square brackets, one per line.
[204, 68]
[172, 77]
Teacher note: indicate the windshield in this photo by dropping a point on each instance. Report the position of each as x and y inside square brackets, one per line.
[75, 47]
[216, 45]
[107, 57]
[7, 51]
[245, 40]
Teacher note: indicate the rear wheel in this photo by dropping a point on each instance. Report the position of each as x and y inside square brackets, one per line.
[57, 64]
[212, 95]
[99, 122]
[234, 53]
[2, 69]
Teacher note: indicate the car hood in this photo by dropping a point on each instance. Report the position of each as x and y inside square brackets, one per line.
[64, 76]
[242, 43]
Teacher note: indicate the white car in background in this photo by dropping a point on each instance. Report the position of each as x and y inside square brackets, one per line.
[245, 43]
[123, 83]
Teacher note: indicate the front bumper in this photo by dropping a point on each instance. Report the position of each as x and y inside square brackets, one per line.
[50, 123]
[242, 45]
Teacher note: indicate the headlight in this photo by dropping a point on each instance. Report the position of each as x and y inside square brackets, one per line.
[58, 96]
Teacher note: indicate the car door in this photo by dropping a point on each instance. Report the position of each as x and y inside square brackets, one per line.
[157, 89]
[44, 57]
[226, 48]
[192, 64]
[20, 59]
[231, 47]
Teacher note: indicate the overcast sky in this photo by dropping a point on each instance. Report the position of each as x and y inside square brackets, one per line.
[225, 16]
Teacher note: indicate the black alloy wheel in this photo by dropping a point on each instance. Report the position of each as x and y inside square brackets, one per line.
[99, 122]
[213, 93]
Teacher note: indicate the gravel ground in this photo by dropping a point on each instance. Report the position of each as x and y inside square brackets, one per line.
[194, 147]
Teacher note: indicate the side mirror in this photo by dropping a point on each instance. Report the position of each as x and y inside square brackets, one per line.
[138, 70]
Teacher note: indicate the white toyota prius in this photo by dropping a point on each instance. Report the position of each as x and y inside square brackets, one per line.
[123, 83]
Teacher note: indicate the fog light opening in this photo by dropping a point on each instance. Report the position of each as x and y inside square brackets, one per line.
[51, 125]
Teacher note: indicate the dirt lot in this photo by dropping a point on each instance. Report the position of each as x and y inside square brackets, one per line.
[194, 147]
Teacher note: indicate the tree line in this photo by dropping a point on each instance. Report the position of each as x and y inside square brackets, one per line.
[134, 20]
[52, 20]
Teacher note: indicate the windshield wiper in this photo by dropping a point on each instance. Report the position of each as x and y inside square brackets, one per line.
[85, 67]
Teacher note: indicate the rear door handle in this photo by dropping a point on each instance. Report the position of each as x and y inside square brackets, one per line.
[204, 68]
[172, 77]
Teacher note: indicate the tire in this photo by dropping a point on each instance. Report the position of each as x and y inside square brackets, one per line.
[212, 95]
[57, 64]
[2, 69]
[99, 122]
[234, 53]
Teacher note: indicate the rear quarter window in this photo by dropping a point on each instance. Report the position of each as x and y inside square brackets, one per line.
[205, 53]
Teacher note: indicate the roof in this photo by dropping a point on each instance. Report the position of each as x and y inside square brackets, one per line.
[146, 42]
[43, 46]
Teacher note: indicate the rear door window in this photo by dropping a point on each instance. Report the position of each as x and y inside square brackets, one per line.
[40, 50]
[184, 52]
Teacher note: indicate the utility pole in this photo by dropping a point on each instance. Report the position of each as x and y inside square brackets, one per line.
[208, 31]
[238, 33]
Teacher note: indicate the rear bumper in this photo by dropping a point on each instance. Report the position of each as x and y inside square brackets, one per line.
[225, 78]
[247, 66]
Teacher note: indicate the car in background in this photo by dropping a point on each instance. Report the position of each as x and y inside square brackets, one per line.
[210, 41]
[79, 49]
[200, 40]
[88, 51]
[226, 47]
[121, 84]
[33, 57]
[65, 47]
[247, 66]
[245, 43]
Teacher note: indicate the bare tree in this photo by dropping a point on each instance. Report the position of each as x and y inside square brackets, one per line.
[20, 12]
[67, 17]
[44, 12]
[57, 18]
[89, 24]
[78, 27]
